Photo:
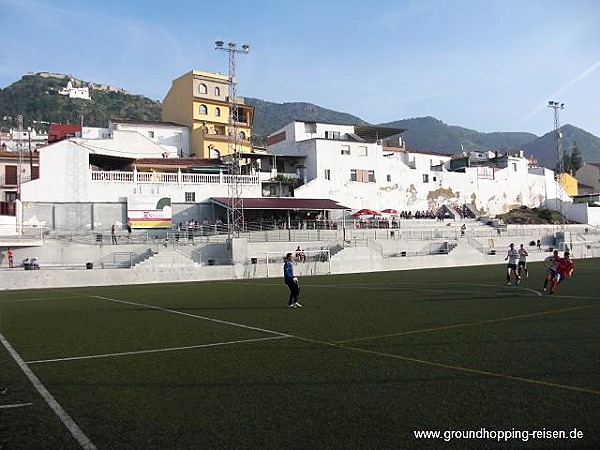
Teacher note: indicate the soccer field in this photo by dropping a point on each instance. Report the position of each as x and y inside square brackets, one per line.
[370, 362]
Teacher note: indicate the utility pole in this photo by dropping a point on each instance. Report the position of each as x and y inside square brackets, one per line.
[20, 146]
[29, 130]
[236, 202]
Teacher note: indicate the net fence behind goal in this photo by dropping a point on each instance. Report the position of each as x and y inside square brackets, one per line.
[581, 249]
[307, 262]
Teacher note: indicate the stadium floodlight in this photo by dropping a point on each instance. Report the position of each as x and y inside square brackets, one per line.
[236, 205]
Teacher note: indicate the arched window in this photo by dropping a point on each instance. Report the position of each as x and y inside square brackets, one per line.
[203, 109]
[218, 111]
[202, 89]
[242, 135]
[217, 91]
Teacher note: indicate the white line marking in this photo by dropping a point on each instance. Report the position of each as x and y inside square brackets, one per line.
[195, 316]
[42, 299]
[67, 421]
[158, 350]
[16, 405]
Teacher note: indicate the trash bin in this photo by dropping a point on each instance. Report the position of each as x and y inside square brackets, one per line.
[89, 265]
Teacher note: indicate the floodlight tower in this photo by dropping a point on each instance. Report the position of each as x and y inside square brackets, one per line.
[560, 164]
[557, 106]
[236, 203]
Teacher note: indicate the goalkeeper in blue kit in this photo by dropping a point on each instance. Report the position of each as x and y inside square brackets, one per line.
[291, 281]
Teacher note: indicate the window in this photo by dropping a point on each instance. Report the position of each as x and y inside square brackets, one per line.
[190, 197]
[362, 150]
[425, 178]
[151, 134]
[327, 174]
[218, 111]
[362, 176]
[202, 109]
[310, 127]
[177, 137]
[389, 178]
[242, 135]
[514, 167]
[217, 91]
[345, 149]
[332, 135]
[202, 89]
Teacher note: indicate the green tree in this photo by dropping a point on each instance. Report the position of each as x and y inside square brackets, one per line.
[576, 159]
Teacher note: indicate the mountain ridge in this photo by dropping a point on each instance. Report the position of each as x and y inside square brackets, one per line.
[36, 97]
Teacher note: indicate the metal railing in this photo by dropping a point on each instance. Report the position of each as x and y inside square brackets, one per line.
[169, 178]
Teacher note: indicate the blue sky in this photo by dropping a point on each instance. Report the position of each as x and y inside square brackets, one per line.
[485, 65]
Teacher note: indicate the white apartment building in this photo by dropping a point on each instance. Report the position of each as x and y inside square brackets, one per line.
[350, 164]
[85, 183]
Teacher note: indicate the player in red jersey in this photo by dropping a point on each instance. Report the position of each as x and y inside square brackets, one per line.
[564, 269]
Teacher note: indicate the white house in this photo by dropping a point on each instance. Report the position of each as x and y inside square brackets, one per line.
[350, 164]
[85, 183]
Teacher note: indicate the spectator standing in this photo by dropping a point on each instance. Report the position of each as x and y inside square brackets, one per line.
[291, 281]
[11, 257]
[113, 234]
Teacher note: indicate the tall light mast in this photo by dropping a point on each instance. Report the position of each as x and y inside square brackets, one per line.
[560, 163]
[557, 106]
[236, 203]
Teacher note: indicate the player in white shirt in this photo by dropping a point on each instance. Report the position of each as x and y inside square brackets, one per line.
[522, 266]
[511, 267]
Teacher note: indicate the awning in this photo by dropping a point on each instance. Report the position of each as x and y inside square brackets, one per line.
[283, 203]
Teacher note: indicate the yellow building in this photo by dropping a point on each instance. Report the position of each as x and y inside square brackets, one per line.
[200, 100]
[568, 183]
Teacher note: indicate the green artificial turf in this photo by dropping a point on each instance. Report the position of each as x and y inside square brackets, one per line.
[369, 360]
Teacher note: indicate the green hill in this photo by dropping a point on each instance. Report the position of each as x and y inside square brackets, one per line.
[37, 99]
[544, 148]
[429, 133]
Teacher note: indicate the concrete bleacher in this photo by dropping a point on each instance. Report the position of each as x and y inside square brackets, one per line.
[418, 243]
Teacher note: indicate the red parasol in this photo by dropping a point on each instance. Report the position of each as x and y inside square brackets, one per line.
[389, 211]
[365, 212]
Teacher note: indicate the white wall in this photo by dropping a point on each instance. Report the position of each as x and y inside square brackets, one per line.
[413, 186]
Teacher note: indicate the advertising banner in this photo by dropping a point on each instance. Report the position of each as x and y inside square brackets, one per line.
[149, 211]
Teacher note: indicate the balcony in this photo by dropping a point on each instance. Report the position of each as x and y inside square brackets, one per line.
[178, 178]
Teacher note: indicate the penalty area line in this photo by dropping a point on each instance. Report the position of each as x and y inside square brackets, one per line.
[195, 316]
[157, 350]
[64, 417]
